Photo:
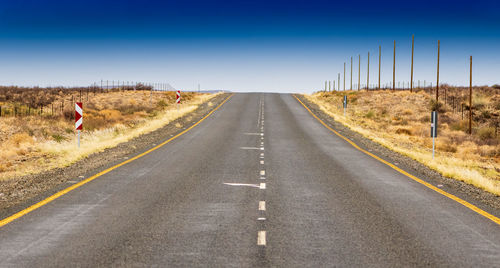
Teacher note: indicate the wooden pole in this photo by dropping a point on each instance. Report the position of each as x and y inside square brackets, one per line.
[368, 73]
[470, 98]
[412, 45]
[379, 58]
[437, 84]
[394, 68]
[359, 72]
[351, 73]
[344, 76]
[338, 82]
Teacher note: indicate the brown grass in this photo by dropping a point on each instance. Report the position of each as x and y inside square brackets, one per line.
[34, 143]
[401, 121]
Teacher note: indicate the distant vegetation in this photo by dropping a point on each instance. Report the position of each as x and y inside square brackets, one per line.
[400, 120]
[37, 124]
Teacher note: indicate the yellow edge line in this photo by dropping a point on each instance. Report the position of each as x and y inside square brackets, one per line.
[428, 185]
[73, 187]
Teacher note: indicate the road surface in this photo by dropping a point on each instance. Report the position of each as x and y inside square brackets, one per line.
[258, 183]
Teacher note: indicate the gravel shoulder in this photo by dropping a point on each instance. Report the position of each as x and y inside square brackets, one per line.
[19, 193]
[487, 201]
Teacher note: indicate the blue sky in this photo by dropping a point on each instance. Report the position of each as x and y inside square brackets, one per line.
[283, 46]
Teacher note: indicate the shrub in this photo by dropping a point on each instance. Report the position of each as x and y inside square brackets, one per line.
[111, 116]
[446, 145]
[162, 104]
[436, 106]
[404, 131]
[20, 138]
[486, 133]
[58, 138]
[370, 114]
[462, 125]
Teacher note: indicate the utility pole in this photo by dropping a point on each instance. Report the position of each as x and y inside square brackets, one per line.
[338, 81]
[344, 76]
[437, 84]
[379, 58]
[368, 73]
[351, 73]
[470, 98]
[411, 78]
[394, 68]
[359, 71]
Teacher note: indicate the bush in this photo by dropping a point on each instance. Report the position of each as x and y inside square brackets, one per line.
[370, 114]
[486, 133]
[462, 125]
[403, 131]
[162, 104]
[58, 138]
[436, 106]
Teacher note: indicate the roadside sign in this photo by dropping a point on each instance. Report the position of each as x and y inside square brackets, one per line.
[345, 103]
[434, 124]
[178, 99]
[78, 120]
[78, 116]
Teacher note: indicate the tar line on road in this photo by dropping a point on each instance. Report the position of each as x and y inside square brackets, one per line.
[77, 185]
[426, 184]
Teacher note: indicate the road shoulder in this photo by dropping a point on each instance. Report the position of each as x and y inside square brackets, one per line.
[478, 197]
[22, 192]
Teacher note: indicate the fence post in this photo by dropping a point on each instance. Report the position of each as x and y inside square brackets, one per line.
[437, 84]
[470, 98]
[411, 78]
[394, 68]
[368, 72]
[379, 58]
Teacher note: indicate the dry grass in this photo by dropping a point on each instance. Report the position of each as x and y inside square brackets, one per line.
[400, 121]
[33, 143]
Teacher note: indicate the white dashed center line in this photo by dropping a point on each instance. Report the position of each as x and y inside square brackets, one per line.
[262, 172]
[261, 238]
[262, 205]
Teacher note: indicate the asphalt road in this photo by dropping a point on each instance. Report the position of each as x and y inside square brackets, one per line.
[259, 183]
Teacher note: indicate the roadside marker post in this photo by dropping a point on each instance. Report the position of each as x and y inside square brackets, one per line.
[434, 126]
[78, 120]
[178, 98]
[345, 103]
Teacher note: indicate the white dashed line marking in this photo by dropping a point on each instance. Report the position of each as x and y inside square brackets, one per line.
[261, 238]
[262, 162]
[262, 205]
[261, 219]
[250, 148]
[262, 172]
[262, 148]
[262, 178]
[262, 186]
[244, 184]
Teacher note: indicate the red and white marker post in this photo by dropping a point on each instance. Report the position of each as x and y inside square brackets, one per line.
[78, 119]
[178, 99]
